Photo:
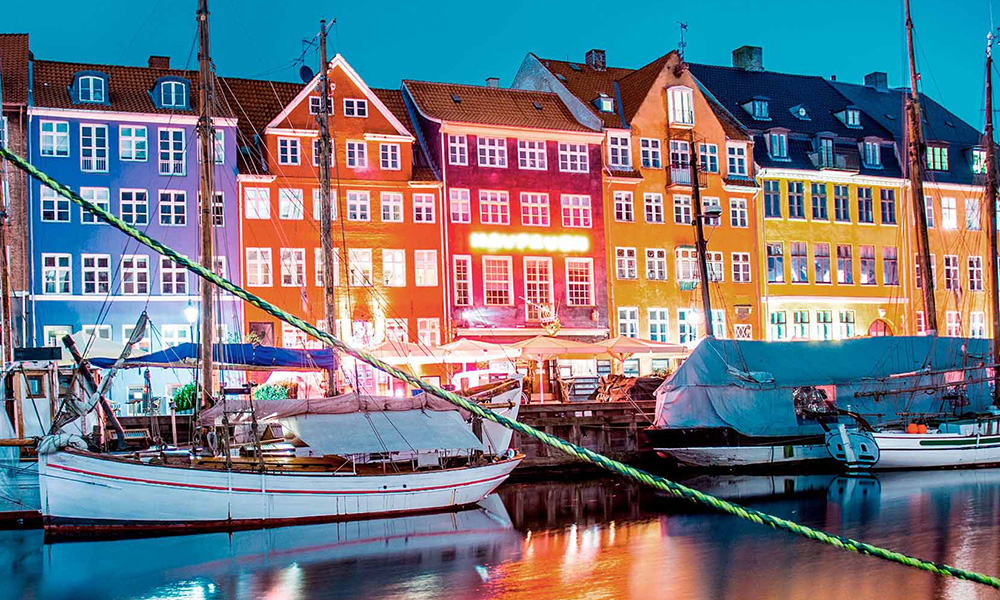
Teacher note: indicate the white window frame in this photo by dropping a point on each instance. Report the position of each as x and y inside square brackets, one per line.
[736, 159]
[462, 279]
[429, 331]
[738, 215]
[318, 205]
[509, 269]
[171, 158]
[573, 158]
[532, 155]
[360, 267]
[169, 280]
[357, 154]
[62, 273]
[139, 272]
[458, 150]
[359, 205]
[133, 146]
[259, 268]
[93, 157]
[741, 266]
[389, 156]
[653, 208]
[572, 285]
[680, 105]
[533, 313]
[293, 266]
[460, 205]
[55, 142]
[393, 267]
[626, 263]
[175, 199]
[619, 150]
[424, 208]
[54, 203]
[494, 207]
[656, 264]
[650, 153]
[686, 264]
[257, 203]
[425, 268]
[492, 152]
[173, 99]
[356, 108]
[92, 88]
[624, 206]
[391, 204]
[577, 211]
[96, 269]
[290, 204]
[659, 324]
[99, 196]
[628, 321]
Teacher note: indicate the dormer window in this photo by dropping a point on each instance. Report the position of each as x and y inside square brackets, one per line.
[777, 144]
[937, 158]
[680, 102]
[604, 103]
[89, 87]
[872, 154]
[800, 112]
[851, 117]
[979, 161]
[759, 109]
[171, 92]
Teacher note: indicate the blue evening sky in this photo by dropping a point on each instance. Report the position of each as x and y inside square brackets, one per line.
[466, 41]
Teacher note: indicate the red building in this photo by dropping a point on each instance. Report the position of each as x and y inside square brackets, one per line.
[524, 233]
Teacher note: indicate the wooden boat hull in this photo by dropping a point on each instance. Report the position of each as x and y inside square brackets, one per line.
[87, 491]
[746, 456]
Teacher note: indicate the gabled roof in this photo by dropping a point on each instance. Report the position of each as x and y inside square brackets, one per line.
[635, 86]
[502, 107]
[14, 57]
[586, 83]
[254, 103]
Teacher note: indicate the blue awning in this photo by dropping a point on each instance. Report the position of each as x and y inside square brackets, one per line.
[238, 357]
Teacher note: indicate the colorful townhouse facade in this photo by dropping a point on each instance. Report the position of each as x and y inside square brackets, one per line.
[387, 217]
[524, 224]
[656, 120]
[124, 138]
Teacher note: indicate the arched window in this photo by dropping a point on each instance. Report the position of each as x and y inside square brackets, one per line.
[879, 328]
[91, 88]
[173, 94]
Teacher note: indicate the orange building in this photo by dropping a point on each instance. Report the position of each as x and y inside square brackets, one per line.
[387, 222]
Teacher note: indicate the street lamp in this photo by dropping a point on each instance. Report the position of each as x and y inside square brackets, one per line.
[191, 313]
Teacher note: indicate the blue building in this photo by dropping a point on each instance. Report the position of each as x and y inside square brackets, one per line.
[125, 138]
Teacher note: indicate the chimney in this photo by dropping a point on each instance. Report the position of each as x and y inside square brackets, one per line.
[159, 62]
[595, 59]
[493, 82]
[833, 78]
[749, 58]
[878, 80]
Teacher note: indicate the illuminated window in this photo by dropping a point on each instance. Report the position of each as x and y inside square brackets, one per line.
[625, 263]
[460, 205]
[57, 275]
[355, 107]
[173, 277]
[973, 214]
[866, 260]
[775, 263]
[423, 208]
[318, 205]
[135, 274]
[620, 153]
[54, 138]
[425, 267]
[687, 325]
[658, 324]
[498, 281]
[686, 264]
[800, 324]
[290, 204]
[738, 212]
[288, 151]
[951, 272]
[778, 145]
[624, 210]
[318, 260]
[389, 157]
[628, 321]
[778, 327]
[949, 214]
[573, 158]
[357, 154]
[537, 287]
[96, 273]
[580, 281]
[953, 323]
[394, 268]
[845, 265]
[534, 209]
[682, 210]
[458, 150]
[293, 267]
[977, 325]
[929, 210]
[979, 161]
[257, 203]
[821, 261]
[656, 264]
[576, 211]
[654, 207]
[800, 263]
[462, 268]
[396, 330]
[890, 266]
[824, 325]
[94, 148]
[429, 332]
[492, 152]
[392, 207]
[359, 264]
[358, 206]
[741, 267]
[649, 153]
[847, 324]
[132, 143]
[873, 155]
[975, 273]
[259, 267]
[531, 155]
[937, 158]
[494, 208]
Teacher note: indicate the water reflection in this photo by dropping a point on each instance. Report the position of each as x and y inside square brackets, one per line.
[586, 539]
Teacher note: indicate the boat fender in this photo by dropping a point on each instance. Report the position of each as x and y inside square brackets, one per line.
[509, 454]
[212, 440]
[912, 428]
[921, 428]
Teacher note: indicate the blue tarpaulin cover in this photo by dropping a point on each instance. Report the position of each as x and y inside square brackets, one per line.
[748, 386]
[243, 357]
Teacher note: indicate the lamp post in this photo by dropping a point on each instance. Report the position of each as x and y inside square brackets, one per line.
[191, 316]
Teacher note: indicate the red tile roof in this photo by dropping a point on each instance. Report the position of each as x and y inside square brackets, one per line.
[493, 106]
[14, 58]
[393, 100]
[254, 103]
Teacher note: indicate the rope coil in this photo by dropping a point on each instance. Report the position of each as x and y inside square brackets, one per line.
[589, 456]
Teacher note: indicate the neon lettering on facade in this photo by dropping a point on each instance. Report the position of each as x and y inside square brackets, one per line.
[529, 241]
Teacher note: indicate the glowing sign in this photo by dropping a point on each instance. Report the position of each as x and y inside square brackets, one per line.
[529, 241]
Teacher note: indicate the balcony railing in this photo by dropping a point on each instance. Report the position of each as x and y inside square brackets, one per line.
[836, 161]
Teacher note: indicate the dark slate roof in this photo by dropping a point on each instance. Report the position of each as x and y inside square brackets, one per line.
[887, 106]
[14, 57]
[492, 106]
[255, 103]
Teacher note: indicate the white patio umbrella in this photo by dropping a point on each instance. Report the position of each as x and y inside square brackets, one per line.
[404, 353]
[464, 350]
[623, 348]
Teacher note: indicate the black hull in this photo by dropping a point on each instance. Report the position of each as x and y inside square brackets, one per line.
[722, 437]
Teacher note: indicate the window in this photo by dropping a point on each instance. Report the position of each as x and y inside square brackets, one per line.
[389, 157]
[778, 145]
[937, 158]
[175, 335]
[821, 262]
[537, 287]
[918, 275]
[973, 214]
[429, 332]
[708, 158]
[173, 94]
[318, 259]
[656, 264]
[888, 206]
[173, 158]
[796, 200]
[461, 206]
[94, 148]
[290, 205]
[316, 104]
[396, 330]
[865, 209]
[979, 161]
[173, 277]
[977, 325]
[218, 208]
[716, 266]
[359, 264]
[842, 203]
[98, 196]
[258, 267]
[498, 281]
[890, 266]
[220, 266]
[394, 268]
[929, 210]
[775, 263]
[132, 144]
[54, 138]
[96, 273]
[173, 208]
[681, 106]
[800, 325]
[144, 345]
[462, 269]
[318, 204]
[649, 153]
[737, 154]
[57, 275]
[55, 208]
[423, 208]
[778, 328]
[686, 264]
[975, 273]
[872, 155]
[531, 155]
[847, 324]
[534, 209]
[425, 266]
[628, 321]
[709, 203]
[772, 199]
[800, 263]
[573, 158]
[90, 88]
[719, 322]
[682, 210]
[293, 267]
[355, 107]
[949, 214]
[654, 208]
[619, 151]
[492, 152]
[845, 265]
[625, 263]
[494, 208]
[358, 206]
[951, 272]
[257, 203]
[852, 118]
[824, 325]
[576, 211]
[580, 281]
[818, 194]
[680, 162]
[357, 154]
[758, 109]
[738, 212]
[658, 324]
[687, 325]
[218, 148]
[623, 207]
[135, 274]
[866, 260]
[741, 267]
[953, 323]
[392, 207]
[293, 337]
[458, 150]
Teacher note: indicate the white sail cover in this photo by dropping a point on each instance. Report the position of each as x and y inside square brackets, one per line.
[396, 431]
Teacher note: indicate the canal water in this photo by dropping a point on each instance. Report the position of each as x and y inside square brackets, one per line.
[587, 539]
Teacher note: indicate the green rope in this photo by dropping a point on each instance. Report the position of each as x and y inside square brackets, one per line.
[655, 481]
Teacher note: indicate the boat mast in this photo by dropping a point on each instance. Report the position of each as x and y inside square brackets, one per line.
[699, 237]
[206, 134]
[991, 206]
[917, 151]
[326, 204]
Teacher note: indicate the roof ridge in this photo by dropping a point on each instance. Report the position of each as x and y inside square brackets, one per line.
[783, 74]
[84, 64]
[483, 87]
